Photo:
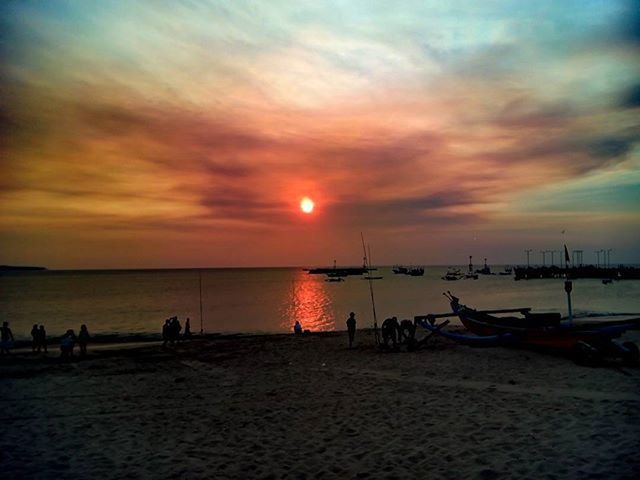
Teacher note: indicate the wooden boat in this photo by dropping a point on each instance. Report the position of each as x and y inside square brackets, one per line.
[452, 274]
[416, 271]
[589, 338]
[506, 271]
[371, 278]
[412, 271]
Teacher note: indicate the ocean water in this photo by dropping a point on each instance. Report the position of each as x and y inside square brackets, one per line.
[270, 299]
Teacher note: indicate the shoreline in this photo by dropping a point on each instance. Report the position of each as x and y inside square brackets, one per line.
[285, 406]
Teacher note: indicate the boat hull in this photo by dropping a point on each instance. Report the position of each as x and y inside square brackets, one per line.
[545, 334]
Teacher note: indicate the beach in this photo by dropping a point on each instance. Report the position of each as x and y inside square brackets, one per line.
[285, 406]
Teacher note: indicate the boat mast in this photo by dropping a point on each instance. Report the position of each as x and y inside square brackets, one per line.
[367, 265]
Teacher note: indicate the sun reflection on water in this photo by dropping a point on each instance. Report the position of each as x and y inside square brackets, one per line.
[309, 304]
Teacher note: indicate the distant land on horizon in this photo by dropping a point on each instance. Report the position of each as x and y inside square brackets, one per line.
[29, 268]
[20, 268]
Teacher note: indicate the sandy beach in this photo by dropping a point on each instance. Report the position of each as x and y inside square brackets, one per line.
[279, 406]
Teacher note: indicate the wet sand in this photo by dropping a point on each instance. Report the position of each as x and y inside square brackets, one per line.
[279, 406]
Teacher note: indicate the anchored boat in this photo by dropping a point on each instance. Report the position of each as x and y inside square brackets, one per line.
[589, 338]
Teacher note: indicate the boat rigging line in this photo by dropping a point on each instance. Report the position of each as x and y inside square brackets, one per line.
[367, 265]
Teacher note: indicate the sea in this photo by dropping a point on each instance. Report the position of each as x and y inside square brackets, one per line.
[131, 303]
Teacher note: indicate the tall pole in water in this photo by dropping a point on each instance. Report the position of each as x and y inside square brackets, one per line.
[367, 265]
[609, 257]
[598, 254]
[553, 262]
[528, 252]
[201, 323]
[470, 264]
[567, 284]
[544, 257]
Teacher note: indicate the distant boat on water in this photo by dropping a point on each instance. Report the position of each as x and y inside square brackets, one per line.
[452, 274]
[485, 270]
[412, 271]
[339, 271]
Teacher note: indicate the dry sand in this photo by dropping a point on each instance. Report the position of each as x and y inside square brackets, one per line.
[278, 406]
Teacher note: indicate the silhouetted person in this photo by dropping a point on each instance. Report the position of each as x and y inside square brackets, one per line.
[67, 342]
[35, 338]
[390, 330]
[166, 332]
[6, 338]
[175, 328]
[297, 328]
[187, 328]
[407, 332]
[351, 328]
[42, 339]
[83, 339]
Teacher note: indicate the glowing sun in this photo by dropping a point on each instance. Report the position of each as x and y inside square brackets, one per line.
[306, 205]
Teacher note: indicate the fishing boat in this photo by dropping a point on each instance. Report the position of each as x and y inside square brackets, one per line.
[589, 338]
[470, 275]
[416, 271]
[452, 274]
[411, 271]
[506, 271]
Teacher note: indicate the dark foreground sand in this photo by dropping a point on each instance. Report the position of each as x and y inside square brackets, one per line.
[284, 407]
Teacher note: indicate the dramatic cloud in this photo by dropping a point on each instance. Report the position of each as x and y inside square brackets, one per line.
[202, 124]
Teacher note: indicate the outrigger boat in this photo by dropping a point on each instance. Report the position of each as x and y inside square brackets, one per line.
[588, 338]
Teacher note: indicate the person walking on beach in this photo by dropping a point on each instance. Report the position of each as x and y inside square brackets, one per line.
[6, 338]
[35, 338]
[83, 339]
[67, 342]
[166, 331]
[351, 327]
[187, 329]
[175, 328]
[42, 339]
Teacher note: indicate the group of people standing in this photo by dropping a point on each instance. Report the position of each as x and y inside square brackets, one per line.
[69, 340]
[172, 328]
[39, 340]
[392, 330]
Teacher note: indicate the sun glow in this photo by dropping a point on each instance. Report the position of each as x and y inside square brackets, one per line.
[306, 205]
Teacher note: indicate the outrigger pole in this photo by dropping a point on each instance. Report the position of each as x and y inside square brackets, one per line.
[367, 265]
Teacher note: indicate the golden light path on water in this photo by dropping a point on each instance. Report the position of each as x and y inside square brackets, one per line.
[309, 304]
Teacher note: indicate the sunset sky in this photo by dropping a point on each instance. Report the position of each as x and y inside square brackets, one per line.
[185, 134]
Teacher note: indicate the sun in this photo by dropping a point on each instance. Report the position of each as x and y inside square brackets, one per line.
[306, 205]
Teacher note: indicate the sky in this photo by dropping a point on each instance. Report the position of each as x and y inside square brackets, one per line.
[158, 134]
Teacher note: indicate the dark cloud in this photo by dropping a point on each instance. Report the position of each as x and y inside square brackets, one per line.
[242, 203]
[630, 22]
[610, 147]
[529, 113]
[414, 211]
[631, 98]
